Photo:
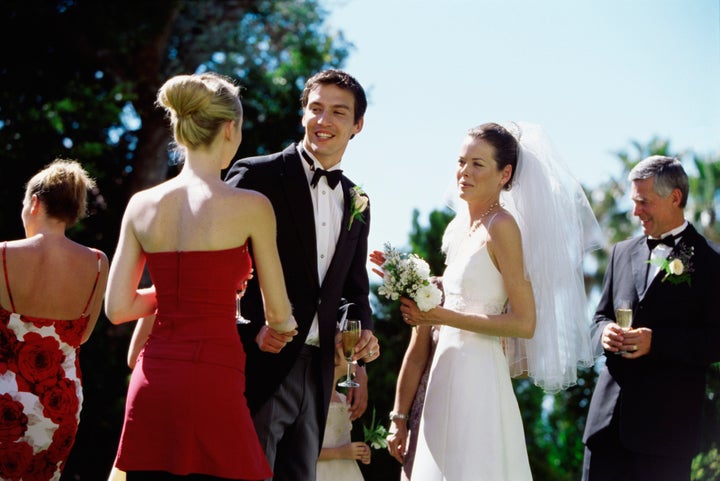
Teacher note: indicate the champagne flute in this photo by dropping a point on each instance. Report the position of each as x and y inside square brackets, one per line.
[623, 317]
[350, 337]
[239, 319]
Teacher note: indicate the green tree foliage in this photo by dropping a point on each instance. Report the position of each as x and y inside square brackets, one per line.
[86, 88]
[79, 80]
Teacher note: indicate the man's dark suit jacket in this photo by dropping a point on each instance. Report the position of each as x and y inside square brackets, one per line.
[658, 398]
[281, 178]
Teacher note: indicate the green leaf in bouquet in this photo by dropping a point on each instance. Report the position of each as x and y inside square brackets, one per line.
[375, 434]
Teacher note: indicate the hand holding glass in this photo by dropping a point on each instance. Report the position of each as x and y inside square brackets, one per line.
[350, 336]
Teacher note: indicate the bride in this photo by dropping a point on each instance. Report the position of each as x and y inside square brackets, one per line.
[514, 304]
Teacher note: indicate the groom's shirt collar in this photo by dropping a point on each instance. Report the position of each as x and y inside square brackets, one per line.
[677, 232]
[311, 163]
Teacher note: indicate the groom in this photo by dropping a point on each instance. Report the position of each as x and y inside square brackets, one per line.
[644, 417]
[323, 221]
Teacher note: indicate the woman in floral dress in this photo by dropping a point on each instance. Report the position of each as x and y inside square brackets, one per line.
[51, 293]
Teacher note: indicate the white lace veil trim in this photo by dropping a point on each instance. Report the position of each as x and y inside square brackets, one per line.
[558, 227]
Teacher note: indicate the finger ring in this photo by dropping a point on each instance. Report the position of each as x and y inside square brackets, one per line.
[371, 353]
[634, 348]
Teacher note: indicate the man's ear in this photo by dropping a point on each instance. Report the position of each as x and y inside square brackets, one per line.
[676, 197]
[358, 127]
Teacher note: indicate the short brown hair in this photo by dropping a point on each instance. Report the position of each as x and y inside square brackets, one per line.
[62, 188]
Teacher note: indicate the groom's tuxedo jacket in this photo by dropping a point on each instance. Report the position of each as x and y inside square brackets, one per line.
[657, 399]
[281, 178]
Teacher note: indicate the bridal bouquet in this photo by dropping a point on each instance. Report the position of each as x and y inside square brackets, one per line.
[408, 275]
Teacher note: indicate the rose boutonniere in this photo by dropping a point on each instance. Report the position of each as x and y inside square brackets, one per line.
[375, 434]
[359, 203]
[678, 266]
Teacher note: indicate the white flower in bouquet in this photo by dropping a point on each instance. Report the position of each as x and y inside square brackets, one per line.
[408, 275]
[428, 297]
[420, 266]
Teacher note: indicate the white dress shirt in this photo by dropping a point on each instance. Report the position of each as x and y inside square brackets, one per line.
[328, 209]
[661, 251]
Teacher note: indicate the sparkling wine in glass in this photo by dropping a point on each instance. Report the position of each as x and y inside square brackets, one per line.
[239, 319]
[623, 318]
[350, 336]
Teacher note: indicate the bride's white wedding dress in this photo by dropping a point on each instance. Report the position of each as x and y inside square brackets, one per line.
[471, 428]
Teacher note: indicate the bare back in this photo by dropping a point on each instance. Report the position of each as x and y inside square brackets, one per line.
[187, 214]
[193, 216]
[52, 277]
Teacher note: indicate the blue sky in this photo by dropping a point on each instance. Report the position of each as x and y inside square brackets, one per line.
[596, 74]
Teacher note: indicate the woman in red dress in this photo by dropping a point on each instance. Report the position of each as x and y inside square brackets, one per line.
[186, 415]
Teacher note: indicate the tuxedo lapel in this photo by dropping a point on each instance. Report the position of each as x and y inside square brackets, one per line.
[347, 198]
[640, 256]
[300, 205]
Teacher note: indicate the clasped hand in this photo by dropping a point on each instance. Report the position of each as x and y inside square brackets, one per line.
[635, 342]
[270, 340]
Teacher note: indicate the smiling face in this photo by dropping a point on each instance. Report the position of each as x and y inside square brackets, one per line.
[478, 177]
[657, 214]
[329, 123]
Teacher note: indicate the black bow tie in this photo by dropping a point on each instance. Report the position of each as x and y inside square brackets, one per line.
[333, 176]
[667, 240]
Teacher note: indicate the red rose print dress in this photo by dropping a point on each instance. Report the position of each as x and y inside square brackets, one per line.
[186, 410]
[40, 391]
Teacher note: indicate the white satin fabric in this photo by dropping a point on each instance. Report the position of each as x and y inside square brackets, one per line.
[471, 428]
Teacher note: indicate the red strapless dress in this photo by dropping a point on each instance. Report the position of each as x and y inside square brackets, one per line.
[186, 410]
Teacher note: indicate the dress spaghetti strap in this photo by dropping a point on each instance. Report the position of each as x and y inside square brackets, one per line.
[7, 281]
[490, 221]
[92, 293]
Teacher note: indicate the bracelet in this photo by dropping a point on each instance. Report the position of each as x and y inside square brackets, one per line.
[395, 415]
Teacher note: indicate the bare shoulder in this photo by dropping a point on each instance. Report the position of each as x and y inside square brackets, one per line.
[251, 199]
[146, 198]
[103, 257]
[246, 205]
[503, 227]
[93, 260]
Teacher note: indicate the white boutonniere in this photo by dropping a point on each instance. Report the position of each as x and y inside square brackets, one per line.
[359, 203]
[678, 266]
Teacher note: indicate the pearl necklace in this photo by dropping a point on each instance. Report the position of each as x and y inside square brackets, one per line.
[476, 223]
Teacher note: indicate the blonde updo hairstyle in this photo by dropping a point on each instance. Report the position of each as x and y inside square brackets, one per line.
[198, 105]
[62, 187]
